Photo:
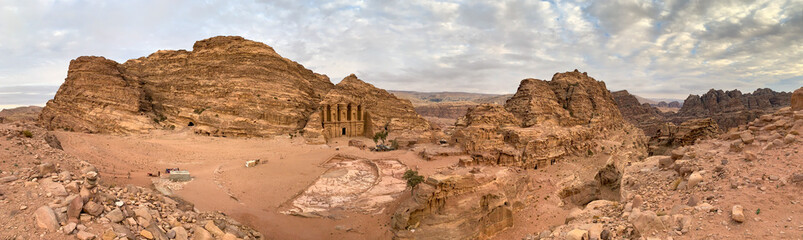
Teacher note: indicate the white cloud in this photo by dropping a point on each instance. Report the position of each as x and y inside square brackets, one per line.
[653, 48]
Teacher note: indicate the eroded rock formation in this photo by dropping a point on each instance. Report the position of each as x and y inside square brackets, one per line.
[731, 108]
[670, 136]
[450, 110]
[543, 122]
[644, 116]
[383, 111]
[797, 99]
[225, 86]
[463, 205]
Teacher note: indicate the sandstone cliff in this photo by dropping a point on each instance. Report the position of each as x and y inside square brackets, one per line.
[669, 136]
[450, 110]
[797, 99]
[463, 205]
[225, 86]
[544, 122]
[731, 108]
[385, 111]
[644, 116]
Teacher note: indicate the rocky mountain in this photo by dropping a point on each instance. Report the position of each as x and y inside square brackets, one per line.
[642, 115]
[446, 107]
[225, 86]
[421, 98]
[29, 113]
[728, 109]
[543, 122]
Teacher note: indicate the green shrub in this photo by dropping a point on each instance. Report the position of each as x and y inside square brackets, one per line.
[27, 134]
[413, 179]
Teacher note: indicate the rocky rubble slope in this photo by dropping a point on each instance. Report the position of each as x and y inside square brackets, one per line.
[544, 122]
[742, 185]
[48, 194]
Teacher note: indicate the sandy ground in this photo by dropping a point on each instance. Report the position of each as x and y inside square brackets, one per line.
[256, 196]
[253, 196]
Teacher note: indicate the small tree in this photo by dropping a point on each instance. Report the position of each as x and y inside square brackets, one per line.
[413, 179]
[381, 136]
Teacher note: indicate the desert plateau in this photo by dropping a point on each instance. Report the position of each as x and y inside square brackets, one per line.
[543, 120]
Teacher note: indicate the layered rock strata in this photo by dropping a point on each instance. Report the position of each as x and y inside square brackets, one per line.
[379, 110]
[225, 86]
[671, 136]
[731, 108]
[544, 122]
[644, 116]
[463, 205]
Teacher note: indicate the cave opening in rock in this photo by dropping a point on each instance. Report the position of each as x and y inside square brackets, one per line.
[191, 124]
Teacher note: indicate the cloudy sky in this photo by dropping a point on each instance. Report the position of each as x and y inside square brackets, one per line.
[659, 49]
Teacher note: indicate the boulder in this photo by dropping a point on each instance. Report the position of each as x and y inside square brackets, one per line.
[46, 218]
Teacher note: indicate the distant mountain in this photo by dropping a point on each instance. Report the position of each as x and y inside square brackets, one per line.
[645, 100]
[421, 98]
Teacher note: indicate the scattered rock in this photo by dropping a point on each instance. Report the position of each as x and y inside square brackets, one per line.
[115, 216]
[747, 137]
[737, 213]
[605, 235]
[93, 208]
[577, 234]
[200, 233]
[82, 235]
[212, 228]
[74, 209]
[69, 228]
[146, 234]
[181, 234]
[53, 141]
[694, 179]
[8, 179]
